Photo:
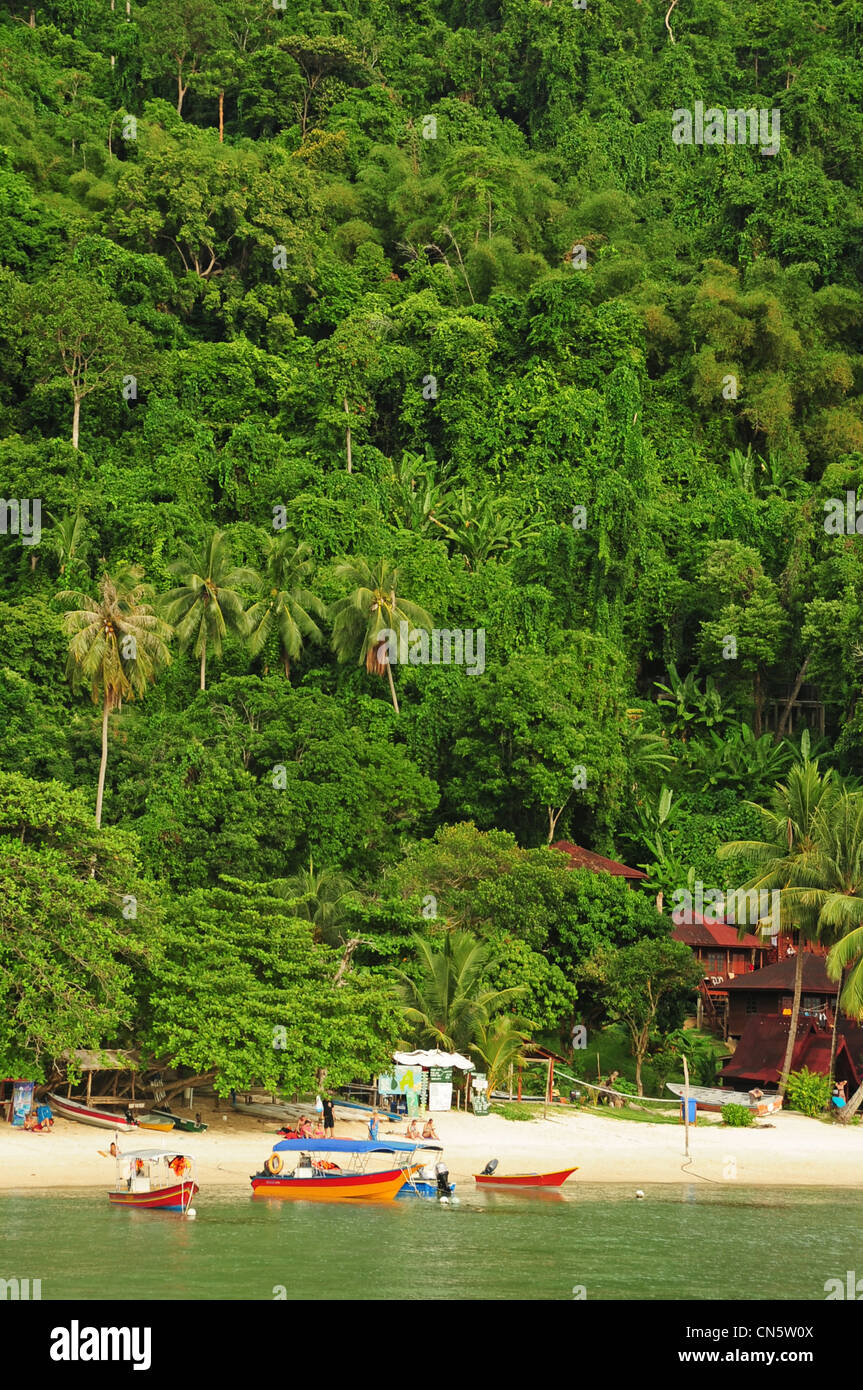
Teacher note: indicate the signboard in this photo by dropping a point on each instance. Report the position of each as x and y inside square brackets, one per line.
[401, 1082]
[440, 1074]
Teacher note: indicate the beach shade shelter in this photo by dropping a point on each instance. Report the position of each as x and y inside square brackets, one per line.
[102, 1059]
[439, 1066]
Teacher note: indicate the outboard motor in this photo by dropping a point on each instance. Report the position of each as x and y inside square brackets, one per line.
[304, 1168]
[442, 1176]
[489, 1168]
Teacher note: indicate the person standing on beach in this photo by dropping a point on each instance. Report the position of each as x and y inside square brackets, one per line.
[328, 1116]
[373, 1126]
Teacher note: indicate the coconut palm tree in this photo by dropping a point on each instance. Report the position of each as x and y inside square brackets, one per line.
[448, 1003]
[372, 607]
[834, 876]
[285, 605]
[781, 860]
[320, 897]
[118, 647]
[498, 1044]
[206, 604]
[66, 539]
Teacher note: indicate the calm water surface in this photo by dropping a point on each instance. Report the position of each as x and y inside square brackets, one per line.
[680, 1243]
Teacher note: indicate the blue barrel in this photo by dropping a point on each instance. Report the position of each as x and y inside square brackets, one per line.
[692, 1105]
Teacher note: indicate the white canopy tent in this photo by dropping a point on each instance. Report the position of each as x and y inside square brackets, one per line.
[433, 1058]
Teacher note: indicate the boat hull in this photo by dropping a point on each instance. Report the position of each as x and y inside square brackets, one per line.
[154, 1122]
[524, 1179]
[177, 1197]
[380, 1187]
[88, 1115]
[186, 1126]
[712, 1098]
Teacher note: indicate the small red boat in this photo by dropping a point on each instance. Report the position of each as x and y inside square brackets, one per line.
[494, 1179]
[155, 1179]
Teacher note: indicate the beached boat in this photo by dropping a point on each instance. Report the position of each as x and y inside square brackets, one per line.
[714, 1097]
[344, 1112]
[491, 1178]
[317, 1177]
[155, 1180]
[187, 1126]
[158, 1122]
[90, 1114]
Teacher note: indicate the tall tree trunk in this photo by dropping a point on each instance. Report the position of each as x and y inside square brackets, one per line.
[221, 118]
[782, 727]
[181, 90]
[852, 1107]
[32, 17]
[76, 421]
[392, 687]
[204, 665]
[795, 1015]
[834, 1041]
[348, 436]
[100, 790]
[759, 701]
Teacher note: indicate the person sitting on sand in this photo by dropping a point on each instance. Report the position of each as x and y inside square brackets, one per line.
[429, 1129]
[304, 1128]
[318, 1131]
[412, 1131]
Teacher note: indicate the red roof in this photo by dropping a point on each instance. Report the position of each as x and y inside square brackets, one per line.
[780, 977]
[701, 933]
[586, 859]
[761, 1051]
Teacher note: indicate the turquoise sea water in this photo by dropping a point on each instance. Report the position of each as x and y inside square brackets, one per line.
[683, 1243]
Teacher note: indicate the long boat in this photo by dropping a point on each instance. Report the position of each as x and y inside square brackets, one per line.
[154, 1121]
[714, 1097]
[156, 1180]
[187, 1126]
[90, 1114]
[316, 1178]
[345, 1112]
[556, 1179]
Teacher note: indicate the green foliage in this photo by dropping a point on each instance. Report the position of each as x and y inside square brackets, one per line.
[808, 1092]
[736, 1116]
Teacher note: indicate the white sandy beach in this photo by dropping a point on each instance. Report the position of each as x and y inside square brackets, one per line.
[787, 1149]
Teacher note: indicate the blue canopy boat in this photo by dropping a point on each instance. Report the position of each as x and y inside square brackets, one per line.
[316, 1172]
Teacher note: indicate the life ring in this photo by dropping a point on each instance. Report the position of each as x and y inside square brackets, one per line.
[273, 1165]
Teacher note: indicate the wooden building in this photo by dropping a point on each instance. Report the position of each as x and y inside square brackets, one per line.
[770, 991]
[597, 863]
[760, 1053]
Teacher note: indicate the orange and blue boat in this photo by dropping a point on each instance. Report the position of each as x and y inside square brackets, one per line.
[318, 1176]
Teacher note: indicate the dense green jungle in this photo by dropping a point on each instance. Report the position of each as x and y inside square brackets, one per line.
[416, 451]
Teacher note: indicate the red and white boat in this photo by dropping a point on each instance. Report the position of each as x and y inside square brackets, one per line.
[156, 1180]
[491, 1178]
[90, 1114]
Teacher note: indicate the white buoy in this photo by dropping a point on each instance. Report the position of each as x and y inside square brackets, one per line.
[639, 1193]
[191, 1213]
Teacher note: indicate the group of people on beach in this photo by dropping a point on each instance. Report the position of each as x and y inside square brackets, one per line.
[322, 1128]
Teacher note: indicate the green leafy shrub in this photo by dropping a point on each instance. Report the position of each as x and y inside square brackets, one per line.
[808, 1092]
[736, 1116]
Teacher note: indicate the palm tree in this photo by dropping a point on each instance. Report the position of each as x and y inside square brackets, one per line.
[781, 861]
[500, 1043]
[118, 647]
[206, 605]
[835, 876]
[372, 607]
[448, 1003]
[285, 605]
[325, 894]
[66, 538]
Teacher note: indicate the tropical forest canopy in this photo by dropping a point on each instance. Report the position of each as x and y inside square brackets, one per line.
[415, 319]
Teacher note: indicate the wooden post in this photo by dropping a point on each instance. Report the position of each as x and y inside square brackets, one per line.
[519, 1081]
[89, 1085]
[598, 1072]
[511, 1069]
[547, 1089]
[686, 1104]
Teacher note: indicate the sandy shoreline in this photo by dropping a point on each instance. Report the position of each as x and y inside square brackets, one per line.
[790, 1150]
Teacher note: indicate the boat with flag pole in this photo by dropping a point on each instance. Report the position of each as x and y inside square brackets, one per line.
[155, 1179]
[335, 1170]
